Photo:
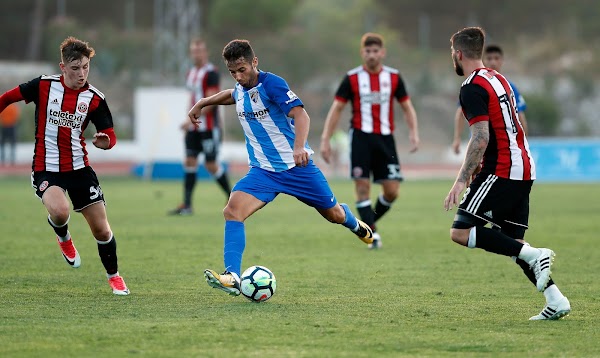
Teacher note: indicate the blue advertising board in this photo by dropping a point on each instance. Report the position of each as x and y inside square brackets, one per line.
[566, 159]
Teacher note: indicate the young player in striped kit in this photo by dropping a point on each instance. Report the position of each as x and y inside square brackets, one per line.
[372, 89]
[65, 105]
[499, 193]
[276, 128]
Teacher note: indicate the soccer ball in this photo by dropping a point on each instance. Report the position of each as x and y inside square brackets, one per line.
[258, 283]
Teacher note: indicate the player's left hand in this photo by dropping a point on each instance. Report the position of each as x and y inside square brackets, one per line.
[453, 197]
[101, 140]
[301, 157]
[414, 142]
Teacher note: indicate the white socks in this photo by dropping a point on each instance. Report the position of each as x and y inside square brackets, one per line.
[528, 253]
[553, 294]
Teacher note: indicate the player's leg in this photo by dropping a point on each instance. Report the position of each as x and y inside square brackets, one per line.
[48, 188]
[386, 171]
[88, 198]
[515, 225]
[249, 195]
[211, 146]
[487, 195]
[193, 146]
[361, 157]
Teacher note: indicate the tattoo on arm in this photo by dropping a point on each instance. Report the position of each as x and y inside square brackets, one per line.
[480, 137]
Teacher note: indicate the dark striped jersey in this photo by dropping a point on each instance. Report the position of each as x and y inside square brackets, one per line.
[486, 95]
[61, 116]
[372, 96]
[198, 81]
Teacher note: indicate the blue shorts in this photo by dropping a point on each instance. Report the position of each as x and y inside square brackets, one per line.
[307, 184]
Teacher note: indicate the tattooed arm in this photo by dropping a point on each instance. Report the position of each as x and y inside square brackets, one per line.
[480, 136]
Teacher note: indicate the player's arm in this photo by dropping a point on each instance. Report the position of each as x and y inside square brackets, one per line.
[220, 98]
[459, 125]
[105, 137]
[474, 101]
[9, 97]
[301, 125]
[410, 116]
[331, 123]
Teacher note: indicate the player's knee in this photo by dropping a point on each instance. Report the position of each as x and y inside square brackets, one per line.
[101, 233]
[459, 236]
[231, 213]
[336, 215]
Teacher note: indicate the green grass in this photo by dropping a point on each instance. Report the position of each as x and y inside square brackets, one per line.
[421, 295]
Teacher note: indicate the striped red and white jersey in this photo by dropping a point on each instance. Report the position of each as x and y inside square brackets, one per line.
[486, 95]
[198, 81]
[61, 116]
[372, 96]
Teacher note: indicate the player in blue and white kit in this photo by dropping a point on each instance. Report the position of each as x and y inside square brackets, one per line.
[276, 129]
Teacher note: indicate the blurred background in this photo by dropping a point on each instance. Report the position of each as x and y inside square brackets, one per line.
[551, 51]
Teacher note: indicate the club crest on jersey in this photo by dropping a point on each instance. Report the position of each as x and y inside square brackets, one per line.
[82, 107]
[253, 95]
[44, 185]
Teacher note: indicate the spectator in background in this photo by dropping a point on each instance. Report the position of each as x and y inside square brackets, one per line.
[493, 57]
[8, 134]
[202, 81]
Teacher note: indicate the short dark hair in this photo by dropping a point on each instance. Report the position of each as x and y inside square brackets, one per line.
[469, 41]
[75, 49]
[493, 49]
[371, 38]
[237, 49]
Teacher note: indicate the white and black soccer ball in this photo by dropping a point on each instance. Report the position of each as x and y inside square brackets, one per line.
[258, 283]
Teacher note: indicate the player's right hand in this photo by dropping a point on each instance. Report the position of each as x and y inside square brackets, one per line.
[325, 150]
[194, 114]
[456, 146]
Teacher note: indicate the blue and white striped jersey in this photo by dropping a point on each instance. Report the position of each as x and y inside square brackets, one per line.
[262, 111]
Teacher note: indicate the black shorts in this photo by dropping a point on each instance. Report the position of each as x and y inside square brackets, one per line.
[373, 154]
[203, 142]
[503, 203]
[82, 186]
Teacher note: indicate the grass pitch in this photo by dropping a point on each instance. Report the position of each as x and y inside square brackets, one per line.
[421, 295]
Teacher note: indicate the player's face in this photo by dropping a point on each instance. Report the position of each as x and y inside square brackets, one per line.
[457, 66]
[199, 53]
[372, 56]
[493, 60]
[243, 72]
[76, 72]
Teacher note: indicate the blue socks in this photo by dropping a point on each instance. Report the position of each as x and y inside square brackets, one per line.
[350, 222]
[235, 243]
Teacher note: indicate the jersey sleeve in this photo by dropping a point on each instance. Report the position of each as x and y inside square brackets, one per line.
[101, 117]
[474, 101]
[344, 91]
[31, 90]
[212, 80]
[279, 92]
[401, 94]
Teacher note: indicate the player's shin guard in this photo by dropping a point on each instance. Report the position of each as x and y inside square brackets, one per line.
[496, 242]
[235, 243]
[223, 182]
[61, 231]
[107, 250]
[366, 213]
[350, 221]
[381, 207]
[188, 186]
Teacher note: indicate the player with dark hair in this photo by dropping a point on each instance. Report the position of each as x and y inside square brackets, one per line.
[372, 88]
[202, 81]
[499, 193]
[65, 104]
[493, 58]
[276, 128]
